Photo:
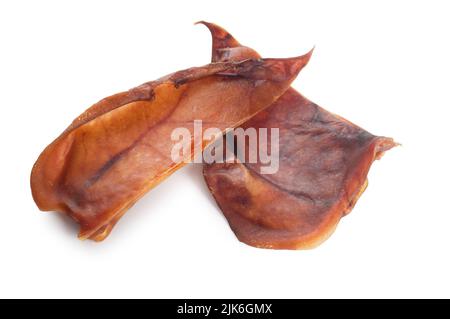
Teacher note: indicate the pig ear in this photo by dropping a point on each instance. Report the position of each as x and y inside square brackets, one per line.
[225, 47]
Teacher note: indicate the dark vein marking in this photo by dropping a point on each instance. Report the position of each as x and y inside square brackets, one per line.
[109, 164]
[285, 190]
[117, 157]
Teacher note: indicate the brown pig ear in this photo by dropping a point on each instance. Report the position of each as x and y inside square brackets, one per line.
[322, 170]
[225, 47]
[123, 146]
[323, 165]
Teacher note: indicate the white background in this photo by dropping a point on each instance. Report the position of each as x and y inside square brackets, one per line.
[383, 65]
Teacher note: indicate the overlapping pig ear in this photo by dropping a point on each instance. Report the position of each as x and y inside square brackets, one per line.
[121, 147]
[225, 47]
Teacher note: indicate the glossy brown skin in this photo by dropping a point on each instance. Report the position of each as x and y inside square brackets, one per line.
[120, 148]
[324, 162]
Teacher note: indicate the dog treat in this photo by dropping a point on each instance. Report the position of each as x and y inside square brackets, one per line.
[323, 165]
[120, 147]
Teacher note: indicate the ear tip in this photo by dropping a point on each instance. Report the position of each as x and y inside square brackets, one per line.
[308, 55]
[201, 22]
[303, 60]
[221, 37]
[211, 26]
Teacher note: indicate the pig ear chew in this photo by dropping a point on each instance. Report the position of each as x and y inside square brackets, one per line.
[120, 148]
[322, 169]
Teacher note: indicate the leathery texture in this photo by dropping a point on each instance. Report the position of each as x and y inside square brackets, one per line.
[323, 165]
[120, 148]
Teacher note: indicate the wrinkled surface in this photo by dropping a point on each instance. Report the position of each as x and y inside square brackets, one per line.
[324, 162]
[120, 148]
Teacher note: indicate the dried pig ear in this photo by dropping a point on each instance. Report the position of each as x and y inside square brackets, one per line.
[120, 148]
[323, 165]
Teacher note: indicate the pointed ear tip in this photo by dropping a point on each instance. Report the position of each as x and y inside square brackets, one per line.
[308, 55]
[214, 28]
[303, 60]
[211, 26]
